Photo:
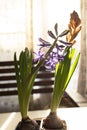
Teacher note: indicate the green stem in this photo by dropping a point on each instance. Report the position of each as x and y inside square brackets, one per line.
[55, 103]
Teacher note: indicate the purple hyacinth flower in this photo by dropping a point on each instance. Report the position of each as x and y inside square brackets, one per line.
[59, 51]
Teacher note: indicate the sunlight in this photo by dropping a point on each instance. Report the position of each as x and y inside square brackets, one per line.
[59, 11]
[7, 122]
[49, 12]
[12, 25]
[12, 19]
[13, 29]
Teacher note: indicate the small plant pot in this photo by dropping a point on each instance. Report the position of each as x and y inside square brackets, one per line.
[27, 124]
[53, 122]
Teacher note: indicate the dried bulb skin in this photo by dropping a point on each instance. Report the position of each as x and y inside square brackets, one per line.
[53, 122]
[74, 27]
[27, 124]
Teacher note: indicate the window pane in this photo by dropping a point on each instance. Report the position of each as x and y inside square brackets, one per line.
[48, 12]
[12, 16]
[12, 27]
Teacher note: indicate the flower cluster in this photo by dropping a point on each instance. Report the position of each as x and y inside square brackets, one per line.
[60, 49]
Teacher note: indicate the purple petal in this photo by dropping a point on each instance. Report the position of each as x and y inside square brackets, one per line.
[56, 29]
[51, 34]
[66, 43]
[43, 41]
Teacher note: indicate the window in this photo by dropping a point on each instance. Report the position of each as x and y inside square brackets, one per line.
[22, 22]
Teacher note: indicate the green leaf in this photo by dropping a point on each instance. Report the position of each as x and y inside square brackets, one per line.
[17, 70]
[56, 85]
[29, 66]
[20, 93]
[22, 65]
[63, 74]
[72, 69]
[25, 61]
[24, 77]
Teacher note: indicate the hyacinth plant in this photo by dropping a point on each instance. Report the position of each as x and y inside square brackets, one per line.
[64, 60]
[59, 56]
[26, 73]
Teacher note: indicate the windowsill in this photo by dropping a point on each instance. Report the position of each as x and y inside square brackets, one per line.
[78, 98]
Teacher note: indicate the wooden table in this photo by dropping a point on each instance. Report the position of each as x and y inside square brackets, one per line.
[76, 118]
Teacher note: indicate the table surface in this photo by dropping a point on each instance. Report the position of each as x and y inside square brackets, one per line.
[74, 117]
